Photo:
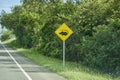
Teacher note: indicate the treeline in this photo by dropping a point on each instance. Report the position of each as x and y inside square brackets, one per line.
[96, 26]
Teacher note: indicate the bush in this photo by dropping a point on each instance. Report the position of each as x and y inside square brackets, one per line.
[6, 35]
[102, 50]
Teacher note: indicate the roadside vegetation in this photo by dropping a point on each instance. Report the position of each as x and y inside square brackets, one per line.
[95, 42]
[71, 71]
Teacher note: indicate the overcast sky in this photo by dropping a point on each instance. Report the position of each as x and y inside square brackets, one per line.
[6, 5]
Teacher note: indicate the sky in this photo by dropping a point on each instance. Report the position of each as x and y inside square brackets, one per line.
[6, 5]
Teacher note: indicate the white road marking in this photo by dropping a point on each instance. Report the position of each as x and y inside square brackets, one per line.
[25, 73]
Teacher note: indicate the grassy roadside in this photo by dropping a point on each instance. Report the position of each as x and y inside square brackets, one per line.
[72, 71]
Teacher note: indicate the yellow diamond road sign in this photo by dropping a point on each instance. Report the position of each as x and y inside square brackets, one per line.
[63, 32]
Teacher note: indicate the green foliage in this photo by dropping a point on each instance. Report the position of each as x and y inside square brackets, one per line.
[6, 35]
[102, 50]
[95, 23]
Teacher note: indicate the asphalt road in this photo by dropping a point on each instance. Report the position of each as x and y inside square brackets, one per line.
[14, 66]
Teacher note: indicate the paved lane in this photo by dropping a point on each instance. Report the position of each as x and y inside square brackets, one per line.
[14, 66]
[8, 69]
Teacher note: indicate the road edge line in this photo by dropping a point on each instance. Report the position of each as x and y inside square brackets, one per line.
[24, 72]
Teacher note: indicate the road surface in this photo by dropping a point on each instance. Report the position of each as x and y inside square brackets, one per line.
[14, 66]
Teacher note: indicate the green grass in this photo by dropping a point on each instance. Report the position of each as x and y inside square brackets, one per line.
[72, 71]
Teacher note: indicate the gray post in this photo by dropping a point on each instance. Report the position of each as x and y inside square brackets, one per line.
[63, 53]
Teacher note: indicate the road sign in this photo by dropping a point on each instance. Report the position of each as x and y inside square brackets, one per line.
[63, 32]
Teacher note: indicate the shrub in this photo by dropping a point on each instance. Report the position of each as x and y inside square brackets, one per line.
[6, 35]
[102, 50]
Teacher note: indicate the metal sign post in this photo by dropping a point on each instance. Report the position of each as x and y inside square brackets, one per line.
[64, 32]
[63, 53]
